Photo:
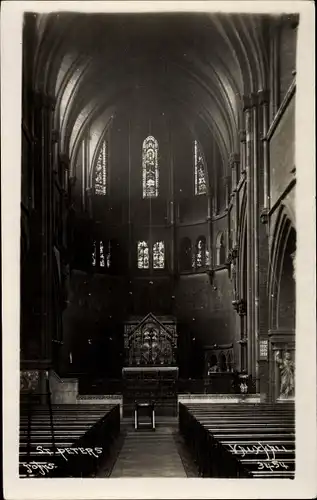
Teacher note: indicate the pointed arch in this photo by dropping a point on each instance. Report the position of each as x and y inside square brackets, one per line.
[220, 249]
[200, 170]
[101, 169]
[283, 249]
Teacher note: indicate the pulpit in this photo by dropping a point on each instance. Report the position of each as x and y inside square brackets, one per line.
[150, 373]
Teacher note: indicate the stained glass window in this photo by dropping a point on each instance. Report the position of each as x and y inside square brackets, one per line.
[200, 172]
[158, 255]
[101, 170]
[150, 172]
[143, 255]
[202, 254]
[108, 255]
[93, 255]
[101, 255]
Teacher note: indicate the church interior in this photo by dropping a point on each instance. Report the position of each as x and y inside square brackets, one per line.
[158, 244]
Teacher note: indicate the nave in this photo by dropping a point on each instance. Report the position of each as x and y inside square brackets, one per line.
[158, 244]
[206, 440]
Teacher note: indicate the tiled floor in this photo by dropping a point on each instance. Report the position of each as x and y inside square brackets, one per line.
[147, 453]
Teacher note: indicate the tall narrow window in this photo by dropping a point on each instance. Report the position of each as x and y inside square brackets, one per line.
[101, 255]
[200, 173]
[201, 254]
[143, 255]
[150, 173]
[220, 249]
[108, 255]
[101, 170]
[93, 255]
[158, 255]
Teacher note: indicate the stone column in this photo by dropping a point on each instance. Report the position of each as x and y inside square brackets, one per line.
[250, 254]
[85, 168]
[234, 164]
[48, 106]
[263, 245]
[172, 208]
[255, 140]
[209, 221]
[130, 243]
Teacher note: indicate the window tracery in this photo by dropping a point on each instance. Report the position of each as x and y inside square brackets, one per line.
[202, 256]
[101, 170]
[101, 255]
[200, 170]
[158, 255]
[150, 170]
[143, 255]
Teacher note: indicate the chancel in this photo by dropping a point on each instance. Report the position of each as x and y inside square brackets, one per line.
[158, 245]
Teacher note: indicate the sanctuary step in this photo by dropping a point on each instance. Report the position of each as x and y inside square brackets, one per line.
[240, 440]
[69, 442]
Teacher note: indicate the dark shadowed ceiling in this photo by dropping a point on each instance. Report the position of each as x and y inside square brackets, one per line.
[193, 67]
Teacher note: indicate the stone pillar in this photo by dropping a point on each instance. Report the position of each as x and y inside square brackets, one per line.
[227, 182]
[89, 201]
[130, 243]
[209, 221]
[47, 230]
[85, 168]
[255, 141]
[172, 209]
[263, 244]
[263, 102]
[250, 254]
[234, 164]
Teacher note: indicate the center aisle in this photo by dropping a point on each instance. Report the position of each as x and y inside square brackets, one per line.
[147, 453]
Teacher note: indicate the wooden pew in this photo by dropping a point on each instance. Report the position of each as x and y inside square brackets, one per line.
[82, 434]
[240, 440]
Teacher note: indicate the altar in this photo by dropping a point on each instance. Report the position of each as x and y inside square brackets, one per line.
[150, 372]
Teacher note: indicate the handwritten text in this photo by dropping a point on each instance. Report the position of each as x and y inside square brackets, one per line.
[269, 450]
[42, 467]
[64, 452]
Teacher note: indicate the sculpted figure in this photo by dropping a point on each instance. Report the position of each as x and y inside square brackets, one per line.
[287, 371]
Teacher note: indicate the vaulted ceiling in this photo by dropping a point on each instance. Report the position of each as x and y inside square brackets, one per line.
[195, 67]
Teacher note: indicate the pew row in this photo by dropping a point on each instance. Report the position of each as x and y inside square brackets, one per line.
[240, 440]
[69, 442]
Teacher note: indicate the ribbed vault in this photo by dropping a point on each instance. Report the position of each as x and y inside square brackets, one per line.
[196, 66]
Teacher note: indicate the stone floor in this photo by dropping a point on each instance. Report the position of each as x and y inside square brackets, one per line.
[148, 453]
